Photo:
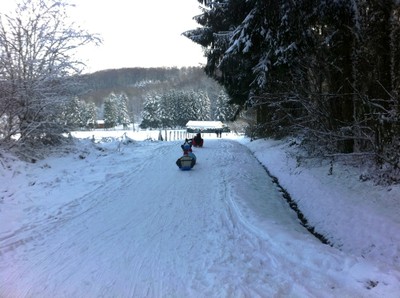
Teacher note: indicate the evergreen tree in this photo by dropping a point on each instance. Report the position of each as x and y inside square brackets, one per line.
[219, 20]
[79, 114]
[122, 110]
[167, 108]
[327, 70]
[224, 111]
[90, 115]
[181, 109]
[71, 113]
[202, 105]
[175, 108]
[110, 112]
[150, 114]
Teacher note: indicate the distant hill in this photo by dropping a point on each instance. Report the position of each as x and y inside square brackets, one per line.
[136, 83]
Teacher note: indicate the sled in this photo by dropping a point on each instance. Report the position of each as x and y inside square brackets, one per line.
[191, 154]
[185, 163]
[197, 144]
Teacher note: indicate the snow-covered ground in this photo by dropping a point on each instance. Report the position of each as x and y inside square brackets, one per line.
[112, 218]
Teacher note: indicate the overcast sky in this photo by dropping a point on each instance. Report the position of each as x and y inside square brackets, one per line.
[138, 33]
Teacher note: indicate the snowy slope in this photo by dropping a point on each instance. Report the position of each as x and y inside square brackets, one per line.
[121, 220]
[360, 218]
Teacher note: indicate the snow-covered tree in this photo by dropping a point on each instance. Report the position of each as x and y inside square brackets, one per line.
[169, 108]
[327, 70]
[36, 64]
[79, 114]
[89, 115]
[110, 112]
[150, 114]
[72, 113]
[202, 105]
[219, 20]
[175, 108]
[223, 110]
[116, 110]
[122, 109]
[189, 110]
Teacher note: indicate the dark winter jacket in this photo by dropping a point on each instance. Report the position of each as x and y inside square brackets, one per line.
[198, 141]
[187, 146]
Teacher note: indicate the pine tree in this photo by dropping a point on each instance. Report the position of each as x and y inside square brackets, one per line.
[202, 104]
[150, 114]
[71, 113]
[110, 112]
[90, 115]
[224, 111]
[219, 20]
[122, 110]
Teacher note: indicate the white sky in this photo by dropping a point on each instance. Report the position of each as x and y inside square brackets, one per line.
[137, 33]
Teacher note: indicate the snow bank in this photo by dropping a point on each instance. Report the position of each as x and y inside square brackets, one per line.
[357, 217]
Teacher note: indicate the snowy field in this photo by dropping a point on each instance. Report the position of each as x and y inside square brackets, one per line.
[111, 217]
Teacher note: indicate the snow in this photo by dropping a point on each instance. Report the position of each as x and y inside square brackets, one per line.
[111, 217]
[204, 124]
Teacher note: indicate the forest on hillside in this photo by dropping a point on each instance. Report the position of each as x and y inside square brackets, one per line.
[138, 84]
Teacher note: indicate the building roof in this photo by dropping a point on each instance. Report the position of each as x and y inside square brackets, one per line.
[204, 125]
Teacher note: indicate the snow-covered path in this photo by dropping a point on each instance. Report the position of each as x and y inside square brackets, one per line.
[150, 230]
